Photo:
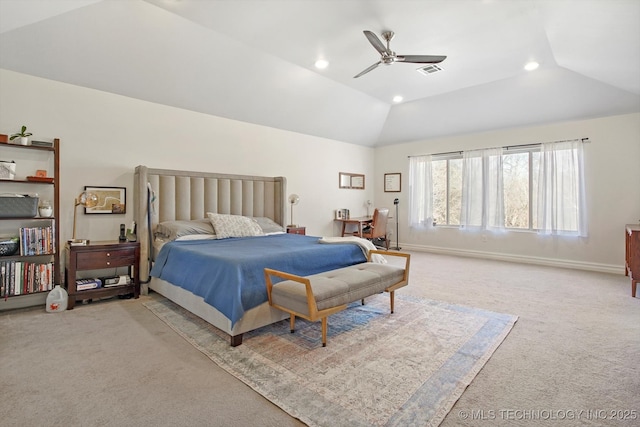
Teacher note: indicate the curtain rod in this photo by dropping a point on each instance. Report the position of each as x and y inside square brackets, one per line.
[507, 147]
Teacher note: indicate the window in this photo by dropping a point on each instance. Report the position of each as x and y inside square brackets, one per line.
[537, 188]
[520, 182]
[447, 190]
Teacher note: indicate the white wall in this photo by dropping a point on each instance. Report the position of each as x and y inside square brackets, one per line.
[612, 165]
[105, 136]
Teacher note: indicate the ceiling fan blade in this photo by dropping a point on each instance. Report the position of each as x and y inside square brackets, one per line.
[377, 44]
[367, 70]
[421, 59]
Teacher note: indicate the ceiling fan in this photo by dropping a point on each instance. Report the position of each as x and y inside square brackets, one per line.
[389, 57]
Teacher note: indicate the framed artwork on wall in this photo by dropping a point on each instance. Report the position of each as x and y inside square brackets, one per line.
[392, 182]
[111, 200]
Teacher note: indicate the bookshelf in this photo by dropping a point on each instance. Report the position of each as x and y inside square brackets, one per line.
[37, 261]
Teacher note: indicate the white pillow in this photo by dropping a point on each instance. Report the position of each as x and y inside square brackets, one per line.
[234, 226]
[197, 237]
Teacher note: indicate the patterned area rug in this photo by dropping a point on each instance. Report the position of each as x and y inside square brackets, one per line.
[380, 369]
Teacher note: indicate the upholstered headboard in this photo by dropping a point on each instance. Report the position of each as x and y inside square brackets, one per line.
[187, 195]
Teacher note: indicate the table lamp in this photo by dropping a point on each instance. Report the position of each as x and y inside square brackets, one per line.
[293, 200]
[88, 200]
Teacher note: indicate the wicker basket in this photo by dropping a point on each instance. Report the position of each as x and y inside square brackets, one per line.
[18, 207]
[8, 246]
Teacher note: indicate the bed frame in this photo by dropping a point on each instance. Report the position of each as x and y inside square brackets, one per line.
[186, 195]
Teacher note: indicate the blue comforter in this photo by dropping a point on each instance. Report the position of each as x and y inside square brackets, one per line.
[229, 273]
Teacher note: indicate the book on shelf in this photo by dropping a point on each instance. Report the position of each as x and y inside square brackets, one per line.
[86, 284]
[116, 281]
[22, 277]
[37, 240]
[42, 143]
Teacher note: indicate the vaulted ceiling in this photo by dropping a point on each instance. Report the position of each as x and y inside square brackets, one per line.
[253, 60]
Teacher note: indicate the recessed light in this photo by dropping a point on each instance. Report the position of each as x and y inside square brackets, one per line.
[530, 66]
[322, 64]
[397, 99]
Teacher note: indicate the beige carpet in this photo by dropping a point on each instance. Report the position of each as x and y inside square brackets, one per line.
[378, 369]
[114, 363]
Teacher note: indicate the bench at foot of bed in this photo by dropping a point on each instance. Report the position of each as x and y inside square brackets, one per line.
[318, 296]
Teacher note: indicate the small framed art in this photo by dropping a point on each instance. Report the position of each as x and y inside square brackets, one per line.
[111, 200]
[392, 182]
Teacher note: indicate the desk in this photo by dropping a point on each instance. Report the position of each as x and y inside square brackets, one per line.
[360, 221]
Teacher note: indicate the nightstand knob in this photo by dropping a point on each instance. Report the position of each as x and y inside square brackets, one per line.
[108, 263]
[108, 254]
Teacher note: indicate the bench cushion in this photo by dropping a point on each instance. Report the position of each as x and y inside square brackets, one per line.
[337, 287]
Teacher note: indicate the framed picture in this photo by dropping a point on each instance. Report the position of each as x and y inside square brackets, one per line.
[392, 182]
[111, 200]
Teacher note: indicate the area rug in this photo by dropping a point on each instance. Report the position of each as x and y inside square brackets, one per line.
[378, 369]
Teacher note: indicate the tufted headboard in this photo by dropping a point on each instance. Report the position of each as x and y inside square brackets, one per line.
[187, 195]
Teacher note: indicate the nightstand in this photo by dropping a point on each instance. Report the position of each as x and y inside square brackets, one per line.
[98, 256]
[296, 230]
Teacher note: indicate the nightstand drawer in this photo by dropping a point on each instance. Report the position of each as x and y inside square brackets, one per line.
[105, 259]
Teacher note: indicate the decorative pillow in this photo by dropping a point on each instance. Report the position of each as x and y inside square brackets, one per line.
[268, 225]
[234, 226]
[172, 230]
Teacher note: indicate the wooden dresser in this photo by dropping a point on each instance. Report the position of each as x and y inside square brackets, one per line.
[632, 255]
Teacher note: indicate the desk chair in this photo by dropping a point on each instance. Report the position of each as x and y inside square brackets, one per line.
[377, 231]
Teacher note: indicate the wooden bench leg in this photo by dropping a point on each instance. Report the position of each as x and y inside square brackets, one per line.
[392, 298]
[324, 331]
[292, 323]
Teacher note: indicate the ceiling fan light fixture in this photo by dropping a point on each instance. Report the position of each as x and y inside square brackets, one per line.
[531, 65]
[389, 57]
[321, 64]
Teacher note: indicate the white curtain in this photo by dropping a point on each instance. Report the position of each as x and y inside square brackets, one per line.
[482, 189]
[420, 192]
[561, 190]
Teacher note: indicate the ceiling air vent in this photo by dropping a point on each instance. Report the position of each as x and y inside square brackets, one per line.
[429, 69]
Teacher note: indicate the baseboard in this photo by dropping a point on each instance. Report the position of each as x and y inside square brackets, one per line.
[549, 262]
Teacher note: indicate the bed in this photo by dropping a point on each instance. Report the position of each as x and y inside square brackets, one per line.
[221, 279]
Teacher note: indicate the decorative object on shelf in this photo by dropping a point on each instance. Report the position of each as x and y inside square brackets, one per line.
[4, 138]
[42, 143]
[111, 200]
[18, 206]
[7, 169]
[23, 135]
[87, 200]
[294, 199]
[47, 179]
[368, 203]
[9, 245]
[392, 182]
[45, 209]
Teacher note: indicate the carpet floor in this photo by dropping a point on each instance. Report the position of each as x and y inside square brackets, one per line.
[405, 368]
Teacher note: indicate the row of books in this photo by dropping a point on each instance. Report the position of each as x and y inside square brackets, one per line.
[95, 283]
[37, 240]
[18, 277]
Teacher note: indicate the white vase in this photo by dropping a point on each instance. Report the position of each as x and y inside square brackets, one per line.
[24, 140]
[45, 211]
